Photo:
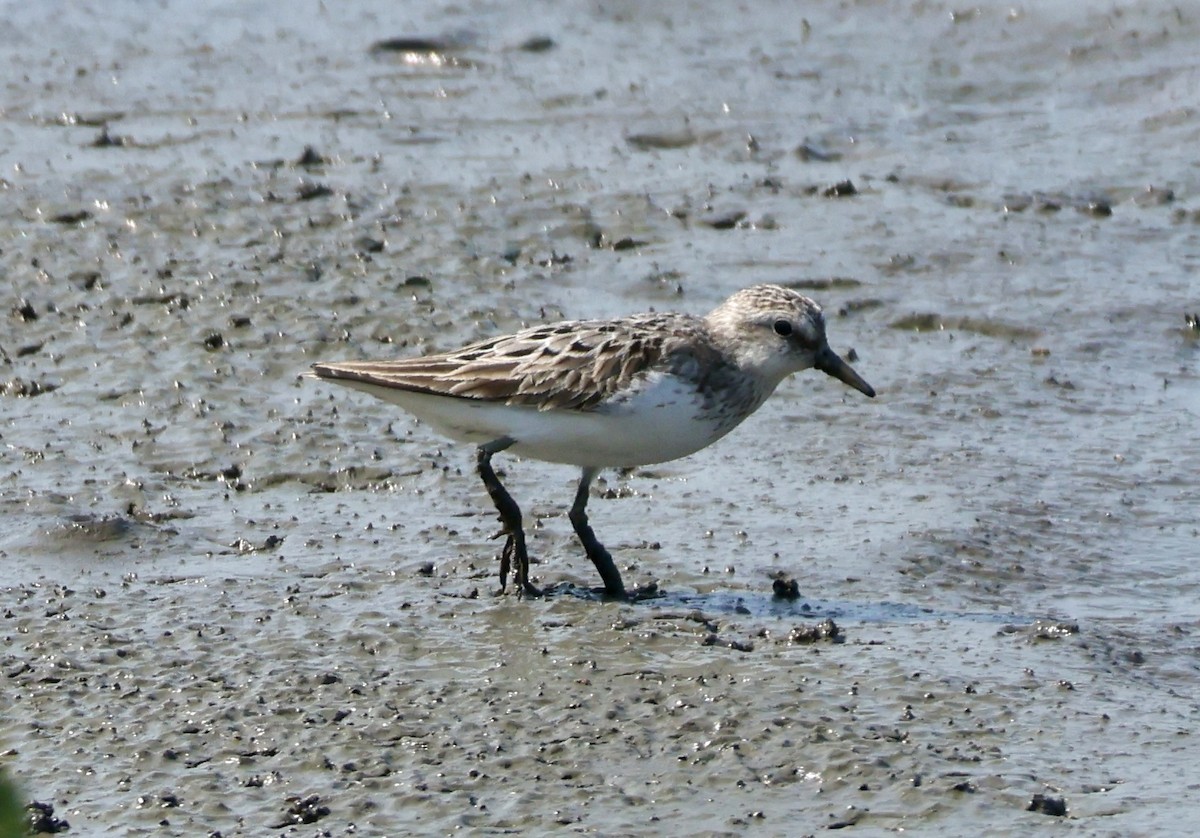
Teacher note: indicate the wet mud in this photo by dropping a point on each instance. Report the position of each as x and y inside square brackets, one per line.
[236, 603]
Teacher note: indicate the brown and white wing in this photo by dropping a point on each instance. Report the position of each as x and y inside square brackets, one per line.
[570, 365]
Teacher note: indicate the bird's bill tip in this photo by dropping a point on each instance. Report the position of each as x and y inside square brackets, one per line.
[829, 363]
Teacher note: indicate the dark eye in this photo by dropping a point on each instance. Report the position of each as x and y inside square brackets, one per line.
[783, 328]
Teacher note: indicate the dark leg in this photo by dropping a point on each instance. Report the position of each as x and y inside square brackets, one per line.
[510, 518]
[595, 550]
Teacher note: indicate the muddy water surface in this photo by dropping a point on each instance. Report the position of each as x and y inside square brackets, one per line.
[238, 603]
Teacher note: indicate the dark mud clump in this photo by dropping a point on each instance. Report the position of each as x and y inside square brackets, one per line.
[1055, 806]
[734, 643]
[825, 630]
[302, 810]
[841, 189]
[785, 587]
[42, 820]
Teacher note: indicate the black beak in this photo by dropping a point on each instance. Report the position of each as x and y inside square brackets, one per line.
[828, 362]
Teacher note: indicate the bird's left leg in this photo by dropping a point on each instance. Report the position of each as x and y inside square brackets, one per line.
[601, 558]
[510, 518]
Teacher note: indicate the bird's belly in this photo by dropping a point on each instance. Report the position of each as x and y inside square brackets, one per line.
[659, 423]
[623, 438]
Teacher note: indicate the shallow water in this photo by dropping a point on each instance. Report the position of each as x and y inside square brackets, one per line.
[226, 591]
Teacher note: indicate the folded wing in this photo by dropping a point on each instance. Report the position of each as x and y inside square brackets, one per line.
[572, 365]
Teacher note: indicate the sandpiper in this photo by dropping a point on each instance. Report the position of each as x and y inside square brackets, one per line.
[594, 393]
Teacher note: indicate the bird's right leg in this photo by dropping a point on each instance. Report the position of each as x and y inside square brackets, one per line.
[510, 518]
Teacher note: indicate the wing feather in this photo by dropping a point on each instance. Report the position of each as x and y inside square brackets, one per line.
[574, 365]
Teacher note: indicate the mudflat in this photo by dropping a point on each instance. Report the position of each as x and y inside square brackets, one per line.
[235, 603]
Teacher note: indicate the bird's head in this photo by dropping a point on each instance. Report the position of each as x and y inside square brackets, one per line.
[775, 331]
